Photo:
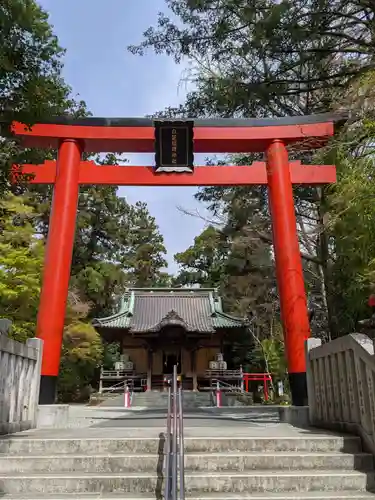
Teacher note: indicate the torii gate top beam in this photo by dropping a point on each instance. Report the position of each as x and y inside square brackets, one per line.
[137, 135]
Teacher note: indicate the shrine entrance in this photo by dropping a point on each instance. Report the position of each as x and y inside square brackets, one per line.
[174, 144]
[170, 359]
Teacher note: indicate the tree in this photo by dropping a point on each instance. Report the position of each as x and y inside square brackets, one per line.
[21, 261]
[31, 84]
[165, 280]
[82, 354]
[267, 59]
[240, 267]
[111, 354]
[145, 258]
[116, 244]
[352, 223]
[100, 244]
[105, 260]
[203, 262]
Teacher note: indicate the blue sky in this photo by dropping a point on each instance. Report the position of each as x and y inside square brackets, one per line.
[113, 82]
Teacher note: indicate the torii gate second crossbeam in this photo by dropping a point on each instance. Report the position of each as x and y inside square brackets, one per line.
[174, 143]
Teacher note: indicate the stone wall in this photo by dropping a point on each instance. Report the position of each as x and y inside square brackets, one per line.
[20, 366]
[341, 385]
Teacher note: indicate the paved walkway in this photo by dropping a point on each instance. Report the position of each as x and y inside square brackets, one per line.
[96, 422]
[280, 431]
[99, 417]
[117, 401]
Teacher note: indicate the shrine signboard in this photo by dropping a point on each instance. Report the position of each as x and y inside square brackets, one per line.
[174, 146]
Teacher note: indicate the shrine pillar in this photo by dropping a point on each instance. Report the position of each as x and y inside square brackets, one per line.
[150, 355]
[58, 258]
[193, 363]
[290, 280]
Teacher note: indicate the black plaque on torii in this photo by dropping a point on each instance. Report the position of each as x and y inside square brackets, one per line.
[174, 146]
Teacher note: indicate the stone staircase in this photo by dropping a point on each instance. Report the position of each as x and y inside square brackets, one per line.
[159, 400]
[308, 466]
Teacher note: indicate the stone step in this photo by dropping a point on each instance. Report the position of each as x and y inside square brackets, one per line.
[331, 444]
[91, 446]
[195, 484]
[209, 462]
[159, 400]
[313, 495]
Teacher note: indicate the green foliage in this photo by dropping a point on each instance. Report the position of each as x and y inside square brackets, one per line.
[81, 355]
[117, 245]
[248, 58]
[202, 263]
[269, 356]
[164, 280]
[21, 260]
[99, 283]
[233, 258]
[267, 59]
[145, 258]
[353, 226]
[238, 264]
[111, 354]
[30, 76]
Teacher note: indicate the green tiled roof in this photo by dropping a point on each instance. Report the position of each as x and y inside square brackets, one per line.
[150, 309]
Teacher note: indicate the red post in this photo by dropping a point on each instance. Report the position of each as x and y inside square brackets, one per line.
[265, 387]
[218, 395]
[57, 265]
[127, 399]
[288, 268]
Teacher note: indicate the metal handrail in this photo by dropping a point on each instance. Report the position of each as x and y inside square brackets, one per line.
[181, 443]
[232, 388]
[168, 450]
[174, 445]
[174, 436]
[116, 387]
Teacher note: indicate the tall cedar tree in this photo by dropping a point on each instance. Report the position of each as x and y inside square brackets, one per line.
[267, 59]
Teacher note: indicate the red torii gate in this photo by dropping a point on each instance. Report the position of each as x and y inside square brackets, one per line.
[73, 137]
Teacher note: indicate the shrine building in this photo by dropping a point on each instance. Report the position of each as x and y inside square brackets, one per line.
[160, 327]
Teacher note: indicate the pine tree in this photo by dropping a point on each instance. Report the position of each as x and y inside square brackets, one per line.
[21, 261]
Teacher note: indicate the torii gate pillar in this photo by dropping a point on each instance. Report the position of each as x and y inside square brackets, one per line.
[57, 265]
[290, 281]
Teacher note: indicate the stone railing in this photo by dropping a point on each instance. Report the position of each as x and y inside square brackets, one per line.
[20, 366]
[341, 385]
